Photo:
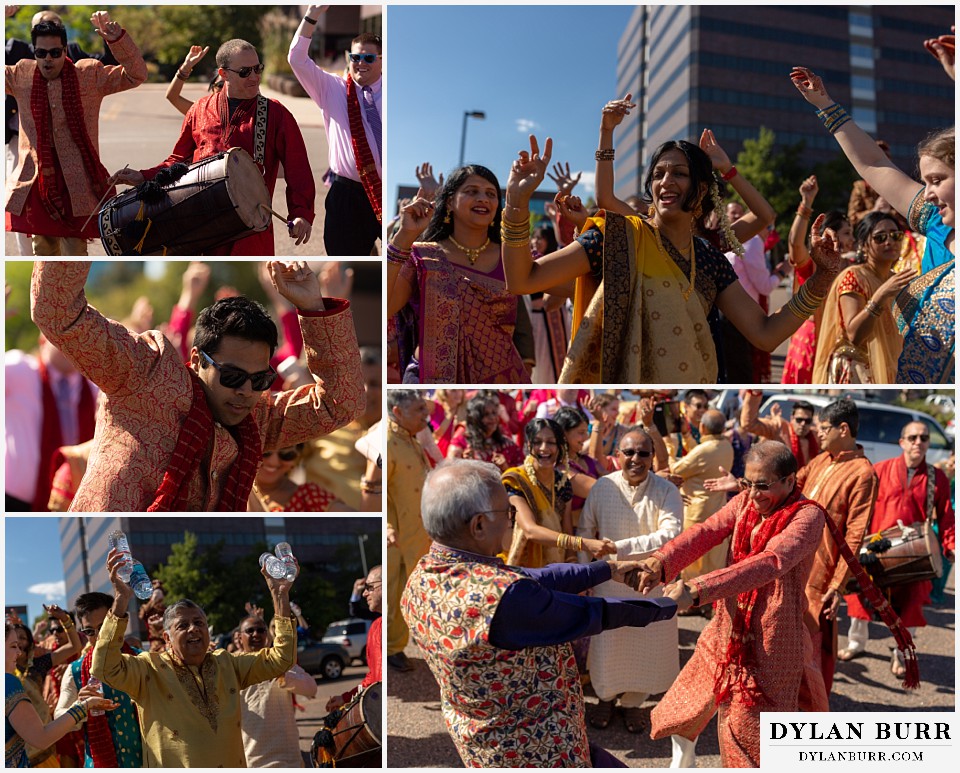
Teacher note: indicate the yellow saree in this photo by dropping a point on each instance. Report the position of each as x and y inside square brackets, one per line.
[525, 552]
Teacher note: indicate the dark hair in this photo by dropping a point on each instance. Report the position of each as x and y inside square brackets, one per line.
[238, 316]
[535, 426]
[802, 405]
[91, 602]
[48, 29]
[474, 421]
[29, 633]
[701, 173]
[569, 417]
[834, 220]
[397, 398]
[438, 229]
[691, 393]
[545, 231]
[368, 37]
[775, 453]
[870, 221]
[713, 422]
[843, 411]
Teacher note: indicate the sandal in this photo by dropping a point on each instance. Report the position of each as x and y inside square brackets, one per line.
[601, 716]
[851, 653]
[897, 667]
[633, 719]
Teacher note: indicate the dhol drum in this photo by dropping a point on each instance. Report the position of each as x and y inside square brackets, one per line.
[354, 740]
[913, 555]
[220, 199]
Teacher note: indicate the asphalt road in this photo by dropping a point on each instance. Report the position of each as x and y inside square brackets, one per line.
[417, 736]
[310, 720]
[139, 127]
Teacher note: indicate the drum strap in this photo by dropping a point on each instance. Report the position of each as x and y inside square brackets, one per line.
[929, 510]
[260, 130]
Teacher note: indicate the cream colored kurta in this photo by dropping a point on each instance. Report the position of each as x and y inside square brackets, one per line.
[639, 520]
[190, 719]
[704, 461]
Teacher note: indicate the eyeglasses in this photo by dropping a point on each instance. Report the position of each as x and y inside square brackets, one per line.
[881, 238]
[233, 377]
[89, 631]
[244, 72]
[369, 586]
[921, 438]
[802, 420]
[511, 511]
[631, 452]
[53, 53]
[251, 631]
[285, 454]
[56, 631]
[746, 485]
[365, 58]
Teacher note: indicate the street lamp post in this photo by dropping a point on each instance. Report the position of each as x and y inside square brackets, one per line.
[479, 115]
[361, 538]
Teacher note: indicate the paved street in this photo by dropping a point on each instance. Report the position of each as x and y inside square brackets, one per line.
[139, 127]
[418, 737]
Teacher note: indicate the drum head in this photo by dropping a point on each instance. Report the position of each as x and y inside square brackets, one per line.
[371, 704]
[247, 189]
[933, 548]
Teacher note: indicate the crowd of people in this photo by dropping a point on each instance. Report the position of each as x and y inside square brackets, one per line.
[106, 416]
[673, 285]
[761, 524]
[93, 694]
[58, 188]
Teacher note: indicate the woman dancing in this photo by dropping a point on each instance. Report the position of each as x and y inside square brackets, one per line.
[925, 309]
[461, 314]
[646, 287]
[482, 436]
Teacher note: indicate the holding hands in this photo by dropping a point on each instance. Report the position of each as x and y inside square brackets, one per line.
[598, 548]
[527, 172]
[649, 575]
[679, 592]
[109, 30]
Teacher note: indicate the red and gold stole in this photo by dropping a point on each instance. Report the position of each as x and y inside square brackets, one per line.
[362, 155]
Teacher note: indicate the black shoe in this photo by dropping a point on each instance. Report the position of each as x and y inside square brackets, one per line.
[400, 662]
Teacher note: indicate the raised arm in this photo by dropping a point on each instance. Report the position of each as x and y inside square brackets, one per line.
[797, 240]
[860, 149]
[194, 55]
[317, 82]
[132, 70]
[611, 117]
[414, 218]
[272, 661]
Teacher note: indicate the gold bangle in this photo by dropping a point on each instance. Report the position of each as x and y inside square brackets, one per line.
[579, 543]
[68, 624]
[560, 540]
[874, 308]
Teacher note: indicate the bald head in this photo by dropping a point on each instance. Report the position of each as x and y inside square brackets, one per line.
[712, 422]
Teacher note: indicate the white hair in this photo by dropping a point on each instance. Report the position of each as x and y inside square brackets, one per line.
[454, 492]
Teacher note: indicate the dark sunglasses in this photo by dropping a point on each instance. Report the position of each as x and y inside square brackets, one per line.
[89, 631]
[921, 438]
[42, 53]
[801, 420]
[56, 631]
[244, 72]
[233, 377]
[286, 454]
[881, 238]
[631, 452]
[251, 631]
[365, 58]
[749, 484]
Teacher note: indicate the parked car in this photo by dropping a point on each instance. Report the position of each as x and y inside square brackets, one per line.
[880, 426]
[944, 403]
[323, 658]
[351, 634]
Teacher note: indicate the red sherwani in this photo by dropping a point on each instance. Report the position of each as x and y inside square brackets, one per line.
[783, 647]
[896, 501]
[202, 136]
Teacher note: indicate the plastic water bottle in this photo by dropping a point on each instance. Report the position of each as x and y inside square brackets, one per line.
[275, 567]
[118, 541]
[94, 682]
[285, 554]
[140, 582]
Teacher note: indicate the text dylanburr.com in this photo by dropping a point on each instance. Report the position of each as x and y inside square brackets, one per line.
[854, 740]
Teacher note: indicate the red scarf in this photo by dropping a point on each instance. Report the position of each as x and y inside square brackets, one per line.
[803, 460]
[741, 649]
[51, 437]
[46, 155]
[362, 155]
[99, 735]
[192, 443]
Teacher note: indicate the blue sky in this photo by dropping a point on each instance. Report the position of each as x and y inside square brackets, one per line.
[31, 559]
[550, 66]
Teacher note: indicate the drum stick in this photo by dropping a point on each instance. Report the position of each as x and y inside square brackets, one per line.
[277, 215]
[100, 203]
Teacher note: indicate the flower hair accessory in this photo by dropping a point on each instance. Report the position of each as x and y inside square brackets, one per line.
[731, 240]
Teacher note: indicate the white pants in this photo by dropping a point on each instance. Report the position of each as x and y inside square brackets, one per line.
[859, 634]
[24, 243]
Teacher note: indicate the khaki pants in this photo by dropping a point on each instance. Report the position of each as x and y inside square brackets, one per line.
[59, 245]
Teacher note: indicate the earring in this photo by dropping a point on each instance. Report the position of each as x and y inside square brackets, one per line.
[698, 210]
[651, 211]
[446, 218]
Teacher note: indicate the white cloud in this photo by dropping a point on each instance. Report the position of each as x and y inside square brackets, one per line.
[525, 125]
[51, 591]
[587, 185]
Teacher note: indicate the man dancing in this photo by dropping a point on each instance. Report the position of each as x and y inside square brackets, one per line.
[497, 637]
[352, 108]
[239, 116]
[798, 434]
[172, 437]
[59, 178]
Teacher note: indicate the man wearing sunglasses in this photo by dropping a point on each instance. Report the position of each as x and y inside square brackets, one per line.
[238, 115]
[497, 638]
[640, 512]
[798, 434]
[172, 437]
[59, 178]
[352, 108]
[910, 492]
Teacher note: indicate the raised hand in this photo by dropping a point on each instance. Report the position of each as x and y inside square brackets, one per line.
[297, 283]
[122, 592]
[527, 172]
[109, 30]
[335, 283]
[944, 50]
[811, 87]
[615, 111]
[718, 156]
[195, 280]
[646, 408]
[776, 412]
[726, 482]
[415, 217]
[429, 185]
[809, 189]
[571, 208]
[194, 55]
[891, 288]
[279, 587]
[565, 182]
[824, 251]
[253, 610]
[10, 10]
[313, 11]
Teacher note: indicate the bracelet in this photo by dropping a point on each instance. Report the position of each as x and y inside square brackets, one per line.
[804, 303]
[833, 117]
[396, 255]
[579, 543]
[605, 154]
[67, 624]
[181, 76]
[514, 233]
[562, 541]
[874, 308]
[730, 173]
[371, 487]
[803, 211]
[308, 19]
[78, 711]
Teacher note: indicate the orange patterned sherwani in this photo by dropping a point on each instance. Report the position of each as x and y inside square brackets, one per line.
[783, 647]
[147, 393]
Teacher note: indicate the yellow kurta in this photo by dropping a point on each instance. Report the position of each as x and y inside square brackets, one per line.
[704, 461]
[181, 729]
